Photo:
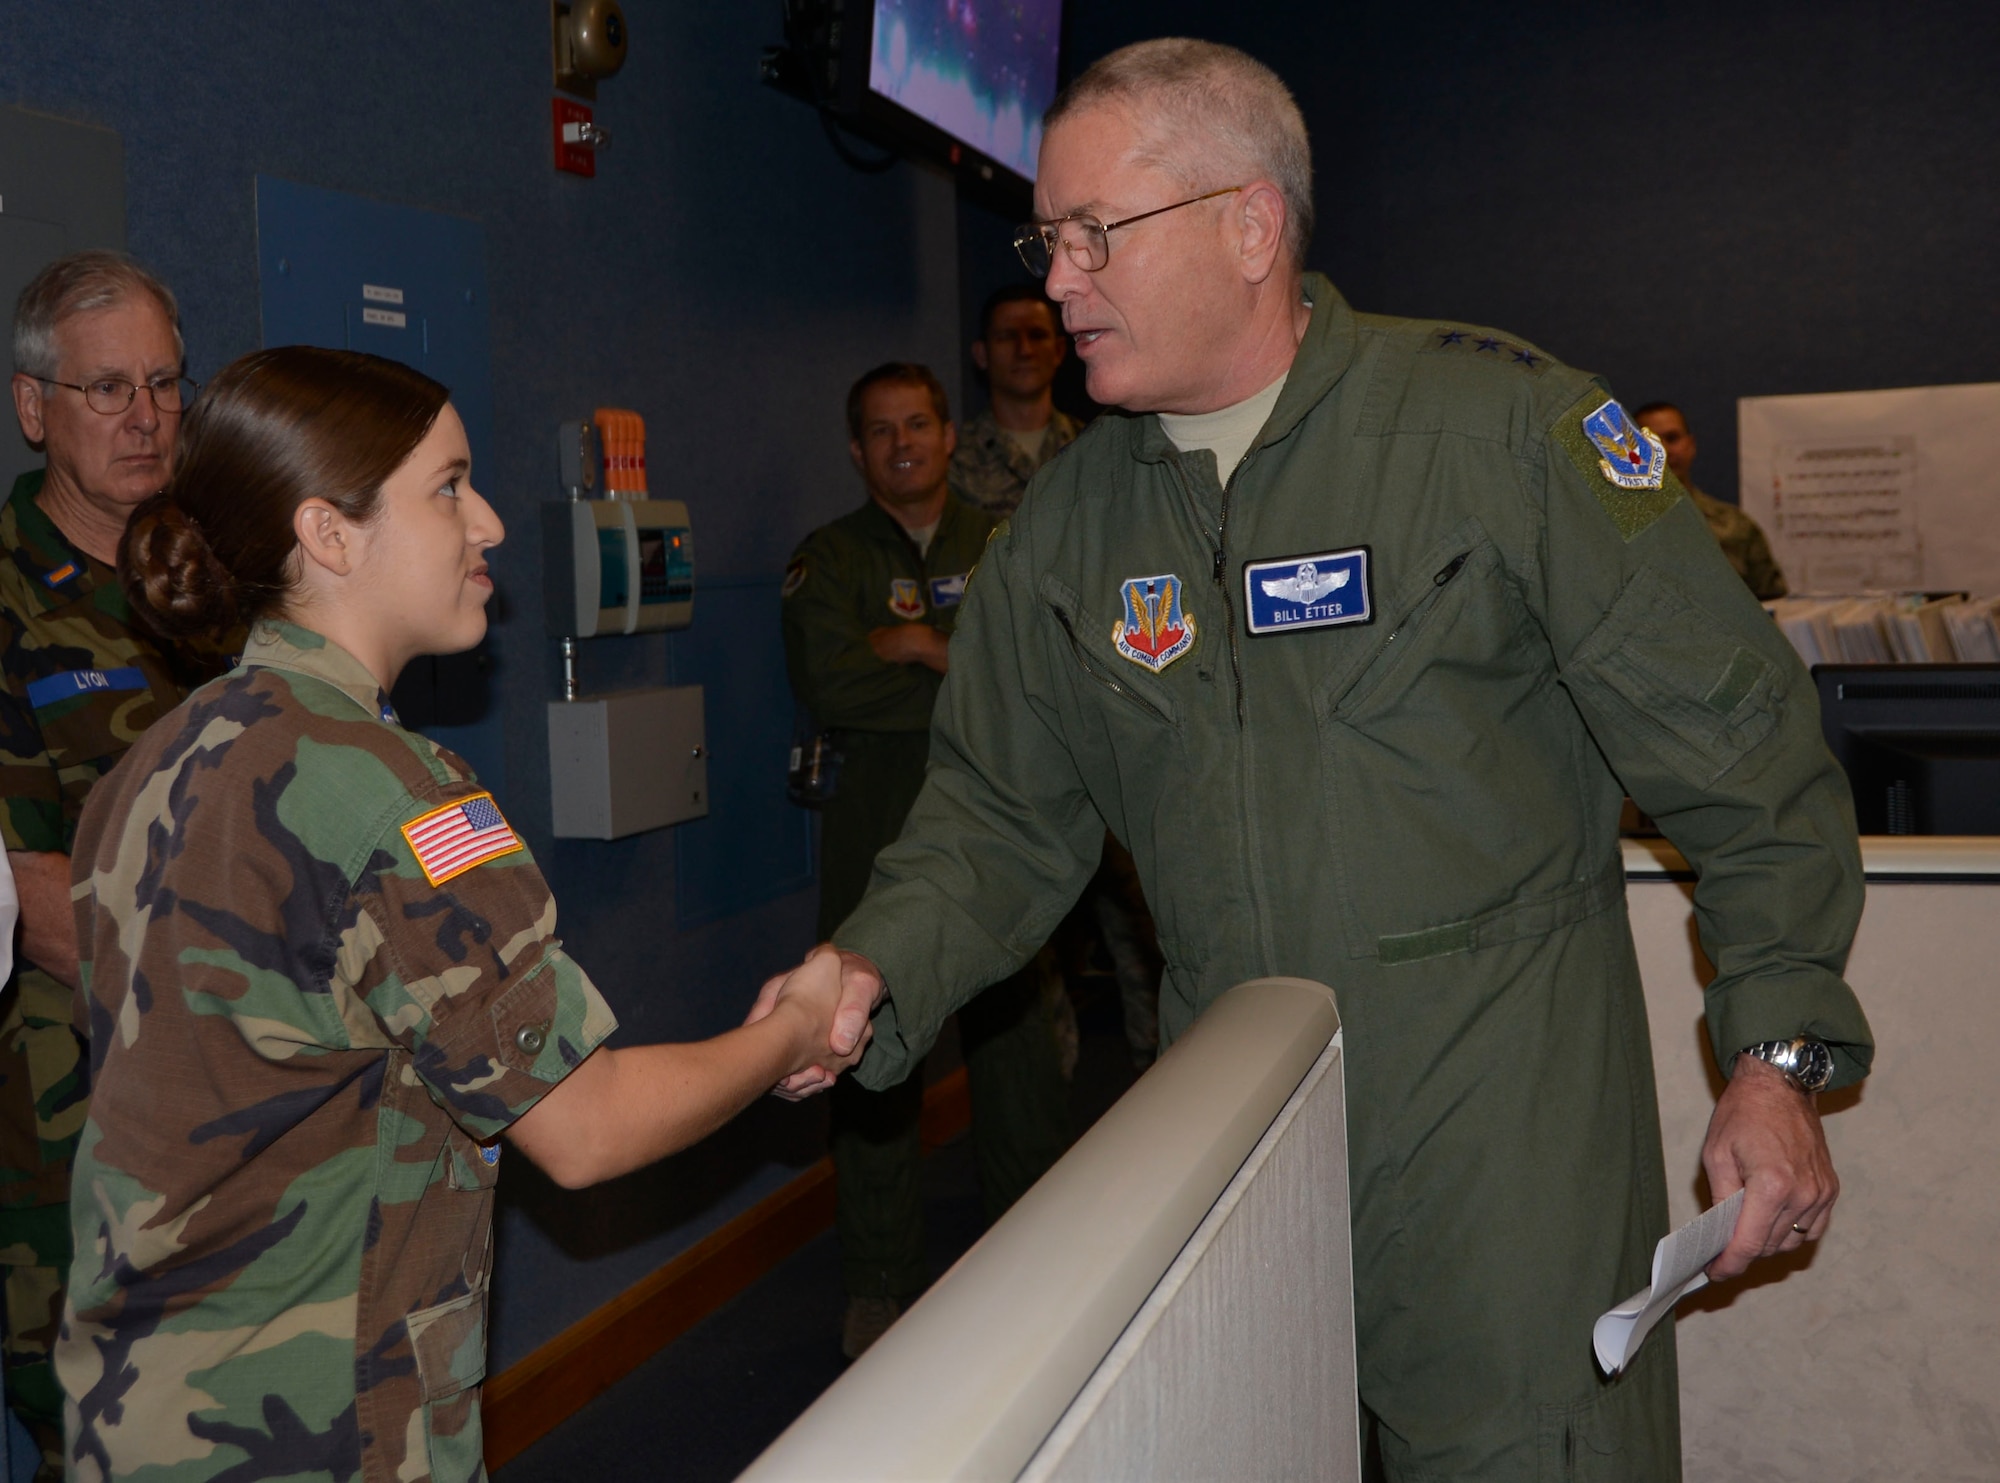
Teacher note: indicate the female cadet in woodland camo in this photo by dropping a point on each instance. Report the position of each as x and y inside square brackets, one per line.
[322, 973]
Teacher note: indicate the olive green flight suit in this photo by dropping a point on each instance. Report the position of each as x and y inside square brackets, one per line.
[1419, 810]
[860, 573]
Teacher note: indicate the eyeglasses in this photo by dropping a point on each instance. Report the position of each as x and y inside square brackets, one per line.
[111, 395]
[1084, 237]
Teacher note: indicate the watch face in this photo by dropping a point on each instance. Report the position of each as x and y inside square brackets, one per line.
[1815, 1065]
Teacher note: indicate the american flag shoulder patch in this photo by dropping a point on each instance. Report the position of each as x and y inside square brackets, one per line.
[449, 841]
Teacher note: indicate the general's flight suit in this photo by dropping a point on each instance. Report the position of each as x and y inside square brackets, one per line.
[860, 573]
[1420, 810]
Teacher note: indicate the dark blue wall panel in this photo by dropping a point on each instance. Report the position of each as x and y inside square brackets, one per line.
[724, 275]
[1701, 201]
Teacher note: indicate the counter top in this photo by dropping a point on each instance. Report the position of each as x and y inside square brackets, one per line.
[1937, 859]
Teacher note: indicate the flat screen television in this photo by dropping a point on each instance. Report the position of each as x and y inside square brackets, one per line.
[963, 83]
[1920, 744]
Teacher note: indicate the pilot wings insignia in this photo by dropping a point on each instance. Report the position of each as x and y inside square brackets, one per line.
[1307, 584]
[1155, 630]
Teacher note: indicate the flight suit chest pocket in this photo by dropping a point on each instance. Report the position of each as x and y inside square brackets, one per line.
[1451, 765]
[1124, 688]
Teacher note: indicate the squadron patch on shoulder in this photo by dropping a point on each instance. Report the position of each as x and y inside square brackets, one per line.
[1325, 589]
[905, 600]
[948, 592]
[449, 841]
[1633, 457]
[1155, 630]
[1582, 432]
[795, 577]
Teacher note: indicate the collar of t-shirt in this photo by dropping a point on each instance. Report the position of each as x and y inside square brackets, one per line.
[1227, 432]
[921, 534]
[1030, 443]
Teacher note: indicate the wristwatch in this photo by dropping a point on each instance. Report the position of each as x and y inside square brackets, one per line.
[1806, 1062]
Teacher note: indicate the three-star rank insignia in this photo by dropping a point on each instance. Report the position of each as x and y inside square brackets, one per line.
[1633, 458]
[906, 599]
[1155, 630]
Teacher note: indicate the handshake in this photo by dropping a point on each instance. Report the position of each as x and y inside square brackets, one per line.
[836, 991]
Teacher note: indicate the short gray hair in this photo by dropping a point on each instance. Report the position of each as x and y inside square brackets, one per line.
[78, 284]
[1206, 107]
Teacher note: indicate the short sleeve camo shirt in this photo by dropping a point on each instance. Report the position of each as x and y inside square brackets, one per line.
[310, 1022]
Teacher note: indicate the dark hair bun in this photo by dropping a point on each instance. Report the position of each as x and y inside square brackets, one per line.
[171, 575]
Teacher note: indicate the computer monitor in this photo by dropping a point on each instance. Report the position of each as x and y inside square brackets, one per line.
[1920, 744]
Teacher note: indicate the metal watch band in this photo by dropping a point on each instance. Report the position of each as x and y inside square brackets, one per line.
[1806, 1062]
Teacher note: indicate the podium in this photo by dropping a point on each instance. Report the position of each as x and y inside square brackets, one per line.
[1173, 1299]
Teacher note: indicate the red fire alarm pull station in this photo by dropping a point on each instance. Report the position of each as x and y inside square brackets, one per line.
[577, 139]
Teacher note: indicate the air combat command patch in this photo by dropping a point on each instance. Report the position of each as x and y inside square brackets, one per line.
[1155, 631]
[1633, 457]
[905, 601]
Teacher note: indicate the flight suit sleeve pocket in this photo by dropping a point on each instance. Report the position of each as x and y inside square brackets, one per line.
[1663, 671]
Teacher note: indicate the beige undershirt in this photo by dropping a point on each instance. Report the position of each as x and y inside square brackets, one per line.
[1030, 443]
[922, 534]
[1227, 432]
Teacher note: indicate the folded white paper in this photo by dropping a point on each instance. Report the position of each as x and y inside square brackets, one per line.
[1677, 1271]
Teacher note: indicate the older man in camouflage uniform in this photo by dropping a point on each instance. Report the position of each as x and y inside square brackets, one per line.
[97, 384]
[1735, 532]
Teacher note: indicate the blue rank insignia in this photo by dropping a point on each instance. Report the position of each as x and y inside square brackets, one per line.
[1323, 590]
[1633, 457]
[905, 601]
[948, 592]
[1155, 630]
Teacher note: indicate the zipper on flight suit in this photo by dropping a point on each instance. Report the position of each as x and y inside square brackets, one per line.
[1083, 658]
[1221, 564]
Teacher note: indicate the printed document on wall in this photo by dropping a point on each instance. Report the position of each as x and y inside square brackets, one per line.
[1877, 490]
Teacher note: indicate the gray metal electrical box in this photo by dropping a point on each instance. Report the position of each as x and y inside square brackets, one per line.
[627, 761]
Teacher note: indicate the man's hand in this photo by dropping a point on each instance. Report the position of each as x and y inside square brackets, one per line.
[860, 992]
[48, 921]
[909, 643]
[1765, 1139]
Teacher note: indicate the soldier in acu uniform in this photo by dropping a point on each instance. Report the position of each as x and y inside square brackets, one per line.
[322, 975]
[1020, 347]
[870, 603]
[1352, 629]
[97, 384]
[1740, 537]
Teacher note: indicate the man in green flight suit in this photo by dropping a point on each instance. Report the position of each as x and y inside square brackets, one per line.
[1356, 630]
[870, 602]
[97, 385]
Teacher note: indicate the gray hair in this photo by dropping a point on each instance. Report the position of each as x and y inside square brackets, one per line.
[78, 284]
[1206, 109]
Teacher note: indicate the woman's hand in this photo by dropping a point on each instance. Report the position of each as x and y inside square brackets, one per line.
[811, 994]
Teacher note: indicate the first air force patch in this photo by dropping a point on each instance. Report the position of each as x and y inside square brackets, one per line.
[1633, 457]
[1155, 630]
[1323, 590]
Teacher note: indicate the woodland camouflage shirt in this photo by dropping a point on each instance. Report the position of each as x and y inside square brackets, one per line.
[307, 1034]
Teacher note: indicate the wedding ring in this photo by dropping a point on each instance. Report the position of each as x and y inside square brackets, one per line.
[1799, 1228]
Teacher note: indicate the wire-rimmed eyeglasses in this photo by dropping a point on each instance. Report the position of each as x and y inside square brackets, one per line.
[111, 395]
[1084, 237]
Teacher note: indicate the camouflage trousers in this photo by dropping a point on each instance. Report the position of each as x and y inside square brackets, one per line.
[44, 1098]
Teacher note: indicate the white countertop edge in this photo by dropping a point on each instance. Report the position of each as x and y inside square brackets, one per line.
[1900, 856]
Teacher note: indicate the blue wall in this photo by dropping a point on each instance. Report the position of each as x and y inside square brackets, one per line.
[724, 275]
[1700, 201]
